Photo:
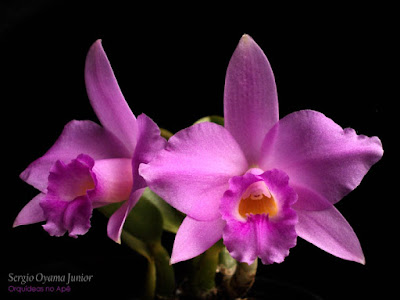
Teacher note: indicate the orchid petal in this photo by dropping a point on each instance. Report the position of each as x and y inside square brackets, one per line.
[77, 137]
[114, 181]
[193, 171]
[149, 144]
[31, 213]
[195, 237]
[106, 98]
[324, 162]
[329, 230]
[250, 97]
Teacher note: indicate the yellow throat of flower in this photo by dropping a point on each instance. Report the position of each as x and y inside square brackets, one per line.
[257, 200]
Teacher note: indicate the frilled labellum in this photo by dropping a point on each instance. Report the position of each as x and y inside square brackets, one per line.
[74, 189]
[259, 219]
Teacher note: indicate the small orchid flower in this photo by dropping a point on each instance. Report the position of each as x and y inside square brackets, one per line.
[89, 165]
[259, 182]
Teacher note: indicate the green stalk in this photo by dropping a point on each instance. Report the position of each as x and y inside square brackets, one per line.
[202, 278]
[242, 280]
[141, 247]
[165, 276]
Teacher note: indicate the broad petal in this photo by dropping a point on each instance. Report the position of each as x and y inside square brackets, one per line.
[31, 213]
[193, 171]
[324, 162]
[250, 97]
[195, 237]
[106, 98]
[149, 144]
[76, 138]
[114, 181]
[329, 230]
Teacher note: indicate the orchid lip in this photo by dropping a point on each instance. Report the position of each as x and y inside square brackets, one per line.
[256, 200]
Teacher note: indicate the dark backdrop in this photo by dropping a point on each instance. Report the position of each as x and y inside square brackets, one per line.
[170, 62]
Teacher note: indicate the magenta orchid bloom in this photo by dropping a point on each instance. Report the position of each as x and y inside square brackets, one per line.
[259, 182]
[91, 166]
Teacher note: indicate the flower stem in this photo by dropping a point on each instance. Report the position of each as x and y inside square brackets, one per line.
[141, 247]
[202, 278]
[165, 277]
[242, 280]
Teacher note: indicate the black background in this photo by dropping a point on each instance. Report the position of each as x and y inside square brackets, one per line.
[170, 62]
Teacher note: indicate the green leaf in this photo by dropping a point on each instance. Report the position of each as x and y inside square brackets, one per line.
[172, 218]
[145, 221]
[136, 244]
[214, 119]
[127, 235]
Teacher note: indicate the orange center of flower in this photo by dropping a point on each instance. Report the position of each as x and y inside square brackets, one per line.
[84, 186]
[257, 200]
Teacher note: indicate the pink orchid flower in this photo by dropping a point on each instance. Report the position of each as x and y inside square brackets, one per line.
[89, 165]
[259, 182]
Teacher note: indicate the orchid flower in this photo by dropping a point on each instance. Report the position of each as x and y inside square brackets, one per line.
[89, 165]
[259, 182]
